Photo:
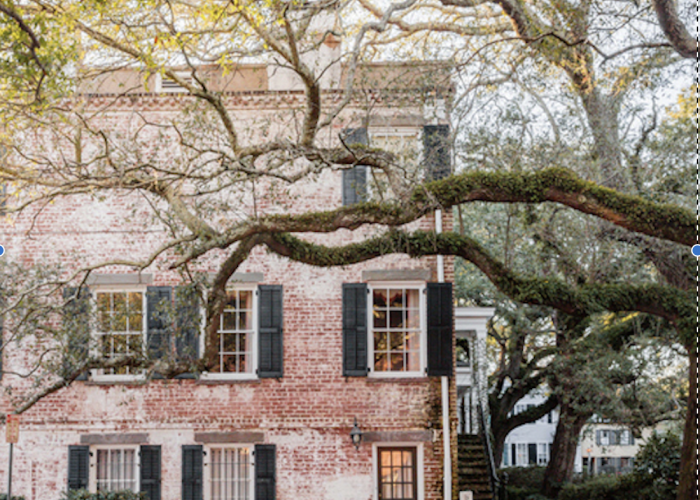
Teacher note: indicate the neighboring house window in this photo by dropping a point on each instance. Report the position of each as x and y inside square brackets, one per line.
[609, 437]
[397, 473]
[116, 469]
[236, 336]
[120, 326]
[521, 454]
[229, 475]
[396, 329]
[542, 455]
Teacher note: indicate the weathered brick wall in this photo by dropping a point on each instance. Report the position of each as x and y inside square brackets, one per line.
[308, 413]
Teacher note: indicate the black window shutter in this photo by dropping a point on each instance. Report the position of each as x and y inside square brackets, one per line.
[436, 151]
[513, 455]
[355, 179]
[78, 467]
[150, 472]
[354, 329]
[440, 329]
[597, 438]
[188, 323]
[532, 454]
[265, 473]
[192, 472]
[76, 323]
[158, 306]
[270, 346]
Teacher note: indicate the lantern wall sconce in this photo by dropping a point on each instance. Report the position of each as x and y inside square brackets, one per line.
[356, 435]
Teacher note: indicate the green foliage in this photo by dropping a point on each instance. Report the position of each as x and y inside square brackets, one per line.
[606, 487]
[655, 475]
[3, 496]
[523, 477]
[103, 495]
[658, 462]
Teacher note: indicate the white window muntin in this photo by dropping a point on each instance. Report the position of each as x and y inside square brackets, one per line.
[252, 363]
[423, 341]
[217, 474]
[420, 473]
[542, 454]
[99, 374]
[121, 470]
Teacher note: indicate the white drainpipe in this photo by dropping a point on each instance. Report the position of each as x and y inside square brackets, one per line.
[445, 386]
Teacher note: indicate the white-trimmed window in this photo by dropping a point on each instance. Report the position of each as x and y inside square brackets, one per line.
[397, 329]
[405, 143]
[120, 327]
[114, 468]
[542, 454]
[229, 473]
[398, 471]
[237, 335]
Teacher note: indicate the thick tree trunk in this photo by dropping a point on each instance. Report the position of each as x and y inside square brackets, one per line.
[688, 486]
[561, 463]
[602, 116]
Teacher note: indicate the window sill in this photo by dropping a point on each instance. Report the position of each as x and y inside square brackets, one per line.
[226, 380]
[394, 379]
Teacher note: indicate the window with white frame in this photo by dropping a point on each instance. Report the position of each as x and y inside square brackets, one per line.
[121, 326]
[229, 474]
[542, 454]
[398, 473]
[236, 334]
[405, 144]
[114, 469]
[397, 329]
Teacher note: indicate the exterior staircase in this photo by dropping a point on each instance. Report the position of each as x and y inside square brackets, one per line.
[472, 467]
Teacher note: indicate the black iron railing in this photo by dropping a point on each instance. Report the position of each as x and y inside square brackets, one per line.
[497, 485]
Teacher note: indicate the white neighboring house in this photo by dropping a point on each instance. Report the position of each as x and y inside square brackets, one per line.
[530, 444]
[470, 332]
[604, 448]
[607, 449]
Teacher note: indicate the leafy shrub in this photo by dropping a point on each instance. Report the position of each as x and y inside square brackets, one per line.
[102, 495]
[658, 463]
[524, 483]
[3, 496]
[530, 478]
[604, 487]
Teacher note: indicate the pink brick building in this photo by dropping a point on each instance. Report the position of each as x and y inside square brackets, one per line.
[303, 352]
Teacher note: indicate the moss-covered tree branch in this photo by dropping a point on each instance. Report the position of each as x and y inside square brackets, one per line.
[667, 302]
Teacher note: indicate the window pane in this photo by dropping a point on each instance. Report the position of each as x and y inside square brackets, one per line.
[381, 362]
[413, 361]
[119, 312]
[396, 299]
[396, 341]
[395, 319]
[246, 299]
[379, 298]
[379, 318]
[229, 320]
[396, 362]
[104, 308]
